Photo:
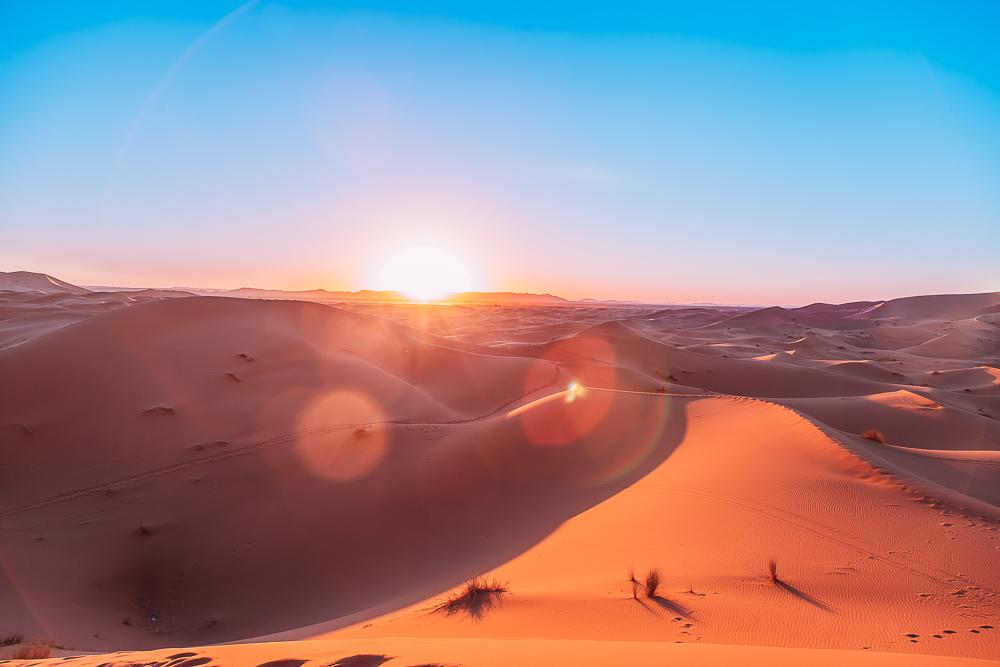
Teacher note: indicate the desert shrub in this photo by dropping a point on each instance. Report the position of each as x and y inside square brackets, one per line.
[653, 581]
[874, 435]
[477, 597]
[36, 650]
[634, 583]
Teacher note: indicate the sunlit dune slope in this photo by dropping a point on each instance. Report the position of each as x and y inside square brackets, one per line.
[711, 528]
[486, 652]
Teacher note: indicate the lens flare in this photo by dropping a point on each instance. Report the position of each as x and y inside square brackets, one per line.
[342, 439]
[579, 410]
[616, 437]
[574, 390]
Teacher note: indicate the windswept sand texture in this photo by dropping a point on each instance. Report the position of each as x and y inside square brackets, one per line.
[314, 482]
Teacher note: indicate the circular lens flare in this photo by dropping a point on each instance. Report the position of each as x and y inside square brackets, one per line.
[578, 410]
[351, 449]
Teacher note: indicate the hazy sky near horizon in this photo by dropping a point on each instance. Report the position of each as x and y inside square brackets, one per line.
[718, 152]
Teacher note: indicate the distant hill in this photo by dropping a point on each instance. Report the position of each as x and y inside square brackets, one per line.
[505, 297]
[28, 281]
[381, 296]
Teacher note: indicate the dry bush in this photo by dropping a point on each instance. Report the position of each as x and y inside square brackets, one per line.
[477, 597]
[653, 581]
[36, 650]
[634, 582]
[772, 569]
[874, 435]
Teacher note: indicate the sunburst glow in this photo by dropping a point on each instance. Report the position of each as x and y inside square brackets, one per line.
[573, 391]
[425, 273]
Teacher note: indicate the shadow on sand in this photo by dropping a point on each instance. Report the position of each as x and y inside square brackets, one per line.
[360, 660]
[667, 605]
[802, 595]
[673, 607]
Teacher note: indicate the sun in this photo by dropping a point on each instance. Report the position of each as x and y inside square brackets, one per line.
[425, 273]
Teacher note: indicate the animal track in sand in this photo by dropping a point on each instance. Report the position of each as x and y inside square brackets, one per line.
[943, 634]
[264, 444]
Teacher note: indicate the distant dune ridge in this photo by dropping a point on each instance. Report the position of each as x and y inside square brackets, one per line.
[34, 304]
[381, 296]
[26, 281]
[315, 482]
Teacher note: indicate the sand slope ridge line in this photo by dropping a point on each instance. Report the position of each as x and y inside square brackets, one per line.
[982, 457]
[293, 436]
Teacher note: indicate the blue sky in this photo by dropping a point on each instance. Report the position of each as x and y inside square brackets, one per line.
[785, 154]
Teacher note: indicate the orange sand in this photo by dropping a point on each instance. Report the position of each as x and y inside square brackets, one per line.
[187, 471]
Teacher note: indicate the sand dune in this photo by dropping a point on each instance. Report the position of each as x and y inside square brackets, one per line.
[973, 341]
[175, 374]
[811, 316]
[27, 313]
[319, 480]
[27, 281]
[934, 307]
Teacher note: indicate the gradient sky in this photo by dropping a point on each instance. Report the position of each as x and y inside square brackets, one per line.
[728, 153]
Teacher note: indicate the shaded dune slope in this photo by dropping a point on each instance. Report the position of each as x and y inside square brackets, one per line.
[164, 382]
[192, 500]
